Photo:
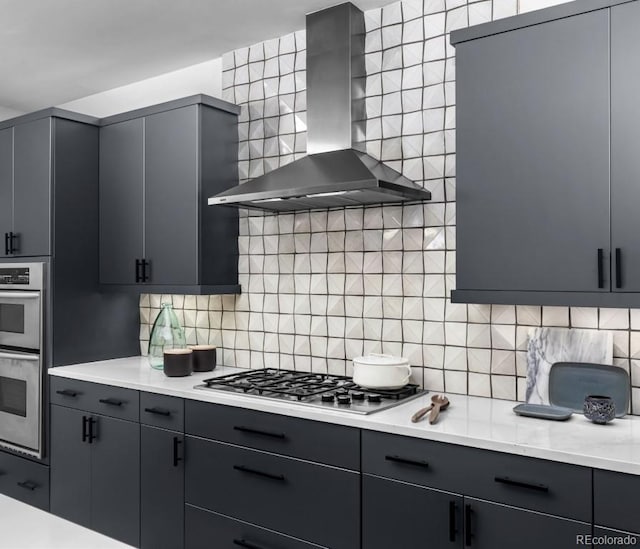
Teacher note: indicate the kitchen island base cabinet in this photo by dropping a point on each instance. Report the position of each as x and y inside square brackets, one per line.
[404, 516]
[162, 489]
[493, 525]
[95, 472]
[206, 530]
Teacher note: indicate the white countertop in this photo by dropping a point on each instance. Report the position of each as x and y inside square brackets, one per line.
[469, 421]
[26, 527]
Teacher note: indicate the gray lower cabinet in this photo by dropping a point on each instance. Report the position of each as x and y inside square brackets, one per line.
[95, 472]
[207, 530]
[157, 168]
[615, 505]
[405, 516]
[491, 525]
[161, 488]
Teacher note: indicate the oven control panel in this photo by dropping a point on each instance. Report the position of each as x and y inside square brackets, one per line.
[14, 275]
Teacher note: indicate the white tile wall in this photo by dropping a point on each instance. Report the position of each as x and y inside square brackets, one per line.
[323, 287]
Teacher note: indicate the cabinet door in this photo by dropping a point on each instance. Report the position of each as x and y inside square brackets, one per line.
[491, 525]
[171, 196]
[625, 136]
[115, 479]
[32, 187]
[388, 506]
[532, 188]
[121, 201]
[70, 466]
[6, 186]
[162, 489]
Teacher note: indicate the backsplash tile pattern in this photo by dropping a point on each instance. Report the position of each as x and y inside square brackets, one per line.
[320, 288]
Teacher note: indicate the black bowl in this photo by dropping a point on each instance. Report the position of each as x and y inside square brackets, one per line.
[599, 409]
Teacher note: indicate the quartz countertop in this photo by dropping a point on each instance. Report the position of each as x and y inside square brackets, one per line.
[26, 527]
[469, 421]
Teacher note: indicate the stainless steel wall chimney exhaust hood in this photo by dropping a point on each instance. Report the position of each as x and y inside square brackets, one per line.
[337, 170]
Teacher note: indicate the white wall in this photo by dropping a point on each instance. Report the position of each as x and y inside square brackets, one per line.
[201, 78]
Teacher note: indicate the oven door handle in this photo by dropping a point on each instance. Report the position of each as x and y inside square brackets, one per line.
[19, 356]
[20, 295]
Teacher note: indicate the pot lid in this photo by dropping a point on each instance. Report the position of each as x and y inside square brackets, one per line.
[381, 360]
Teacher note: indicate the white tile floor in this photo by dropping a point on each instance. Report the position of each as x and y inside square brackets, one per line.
[25, 527]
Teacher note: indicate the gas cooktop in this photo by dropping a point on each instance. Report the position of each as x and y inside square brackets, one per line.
[321, 390]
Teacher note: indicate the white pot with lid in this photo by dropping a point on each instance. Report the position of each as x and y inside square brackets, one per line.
[375, 371]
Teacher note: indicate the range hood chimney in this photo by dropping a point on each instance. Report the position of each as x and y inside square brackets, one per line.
[336, 171]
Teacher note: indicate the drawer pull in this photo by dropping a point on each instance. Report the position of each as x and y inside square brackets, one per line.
[85, 422]
[520, 484]
[28, 485]
[247, 544]
[405, 461]
[68, 393]
[111, 401]
[251, 431]
[271, 476]
[158, 411]
[452, 521]
[467, 526]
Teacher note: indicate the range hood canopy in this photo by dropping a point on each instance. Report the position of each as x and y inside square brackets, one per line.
[337, 171]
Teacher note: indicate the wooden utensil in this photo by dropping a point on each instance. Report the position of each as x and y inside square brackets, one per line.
[421, 413]
[440, 402]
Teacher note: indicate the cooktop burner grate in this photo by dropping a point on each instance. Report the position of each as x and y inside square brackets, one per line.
[306, 387]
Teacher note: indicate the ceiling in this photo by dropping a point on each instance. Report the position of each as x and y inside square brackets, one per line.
[55, 52]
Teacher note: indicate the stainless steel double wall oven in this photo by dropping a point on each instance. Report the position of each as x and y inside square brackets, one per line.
[22, 287]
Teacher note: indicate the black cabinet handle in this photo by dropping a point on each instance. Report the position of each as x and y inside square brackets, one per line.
[91, 422]
[111, 401]
[406, 461]
[176, 458]
[158, 411]
[252, 431]
[452, 521]
[28, 485]
[12, 247]
[521, 484]
[600, 268]
[138, 276]
[85, 422]
[68, 393]
[467, 525]
[618, 268]
[146, 276]
[271, 476]
[247, 544]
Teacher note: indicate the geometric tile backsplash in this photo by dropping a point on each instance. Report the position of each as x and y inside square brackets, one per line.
[320, 288]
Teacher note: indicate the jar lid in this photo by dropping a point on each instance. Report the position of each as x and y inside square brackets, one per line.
[381, 360]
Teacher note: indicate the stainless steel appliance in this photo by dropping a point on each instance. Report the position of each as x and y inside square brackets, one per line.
[21, 361]
[310, 389]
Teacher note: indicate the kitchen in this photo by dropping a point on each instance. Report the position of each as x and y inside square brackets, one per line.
[327, 280]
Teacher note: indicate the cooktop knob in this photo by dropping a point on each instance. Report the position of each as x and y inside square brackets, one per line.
[374, 398]
[344, 399]
[358, 395]
[327, 397]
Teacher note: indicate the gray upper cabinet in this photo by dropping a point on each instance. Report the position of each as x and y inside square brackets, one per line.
[533, 162]
[121, 199]
[32, 168]
[625, 138]
[6, 188]
[157, 166]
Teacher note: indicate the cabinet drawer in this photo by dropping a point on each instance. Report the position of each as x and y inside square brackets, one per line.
[162, 411]
[204, 528]
[615, 498]
[540, 485]
[24, 480]
[288, 495]
[95, 397]
[310, 440]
